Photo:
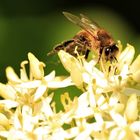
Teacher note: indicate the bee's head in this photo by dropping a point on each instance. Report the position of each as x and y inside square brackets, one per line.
[110, 52]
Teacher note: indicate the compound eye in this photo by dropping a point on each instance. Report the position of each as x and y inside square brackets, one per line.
[114, 48]
[107, 51]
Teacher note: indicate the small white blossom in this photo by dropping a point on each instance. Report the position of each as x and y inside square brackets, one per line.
[108, 107]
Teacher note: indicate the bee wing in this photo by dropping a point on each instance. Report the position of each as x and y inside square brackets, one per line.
[83, 22]
[92, 23]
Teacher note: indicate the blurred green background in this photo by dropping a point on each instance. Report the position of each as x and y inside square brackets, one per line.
[36, 26]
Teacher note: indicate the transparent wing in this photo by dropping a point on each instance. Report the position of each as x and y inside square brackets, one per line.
[92, 23]
[83, 22]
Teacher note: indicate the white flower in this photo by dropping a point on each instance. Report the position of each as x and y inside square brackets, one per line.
[108, 107]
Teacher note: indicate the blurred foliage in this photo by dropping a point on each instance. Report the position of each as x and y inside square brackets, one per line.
[39, 34]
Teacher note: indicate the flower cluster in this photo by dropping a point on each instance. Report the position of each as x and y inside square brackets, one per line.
[107, 109]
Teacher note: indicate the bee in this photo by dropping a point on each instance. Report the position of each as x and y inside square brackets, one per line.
[90, 38]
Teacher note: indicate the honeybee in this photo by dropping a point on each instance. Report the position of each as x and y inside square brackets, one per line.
[90, 38]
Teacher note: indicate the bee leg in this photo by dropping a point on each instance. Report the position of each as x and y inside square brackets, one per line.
[100, 54]
[115, 59]
[86, 54]
[61, 46]
[114, 67]
[56, 49]
[51, 52]
[115, 71]
[66, 43]
[109, 69]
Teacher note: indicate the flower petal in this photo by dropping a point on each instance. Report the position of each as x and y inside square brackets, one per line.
[67, 60]
[7, 92]
[60, 84]
[135, 65]
[129, 91]
[9, 103]
[36, 67]
[119, 120]
[11, 75]
[131, 110]
[39, 92]
[136, 76]
[126, 56]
